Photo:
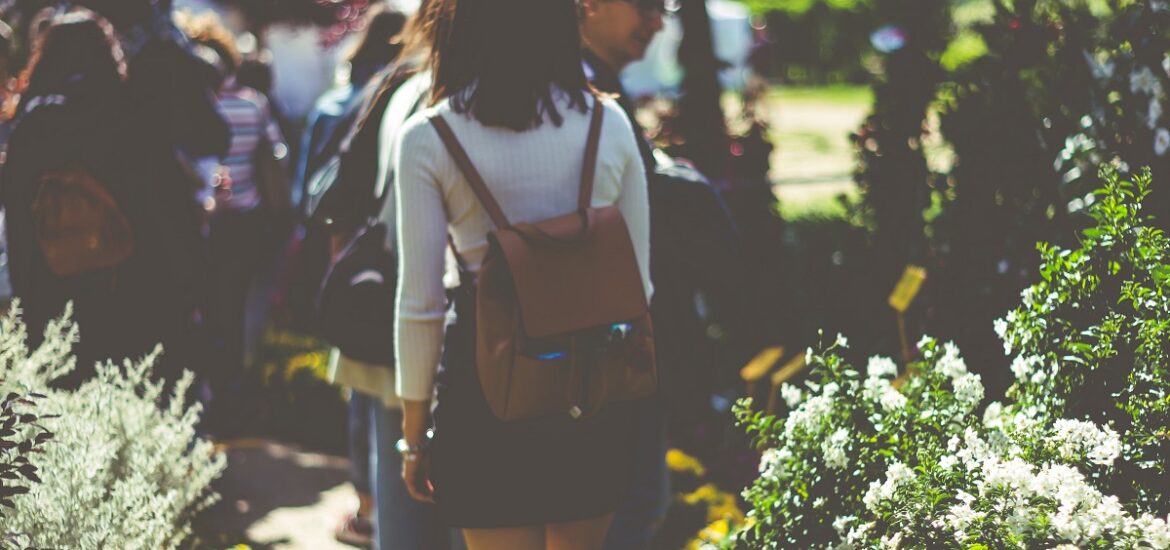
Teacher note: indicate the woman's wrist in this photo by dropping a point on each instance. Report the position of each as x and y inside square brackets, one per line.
[416, 420]
[411, 452]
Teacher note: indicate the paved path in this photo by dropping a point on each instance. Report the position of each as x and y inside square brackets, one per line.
[277, 497]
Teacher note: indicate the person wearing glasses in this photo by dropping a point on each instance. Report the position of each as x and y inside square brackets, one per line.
[695, 251]
[616, 33]
[516, 96]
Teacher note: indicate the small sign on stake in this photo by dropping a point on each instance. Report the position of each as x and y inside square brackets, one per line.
[904, 293]
[907, 288]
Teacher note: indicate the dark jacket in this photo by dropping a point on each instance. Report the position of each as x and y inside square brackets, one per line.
[696, 269]
[121, 311]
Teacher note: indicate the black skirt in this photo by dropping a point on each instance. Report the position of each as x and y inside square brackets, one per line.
[487, 473]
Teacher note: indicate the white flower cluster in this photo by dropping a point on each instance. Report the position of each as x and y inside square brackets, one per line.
[1058, 498]
[835, 449]
[881, 367]
[791, 394]
[881, 491]
[1074, 438]
[851, 532]
[1029, 369]
[969, 390]
[772, 462]
[968, 387]
[1004, 328]
[880, 391]
[1037, 501]
[120, 472]
[809, 416]
[877, 387]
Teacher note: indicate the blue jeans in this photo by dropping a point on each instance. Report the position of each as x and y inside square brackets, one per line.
[360, 417]
[641, 513]
[400, 522]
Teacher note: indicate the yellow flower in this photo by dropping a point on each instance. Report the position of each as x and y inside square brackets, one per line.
[721, 505]
[679, 461]
[711, 537]
[317, 362]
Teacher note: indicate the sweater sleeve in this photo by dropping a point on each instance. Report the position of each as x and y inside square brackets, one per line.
[634, 204]
[422, 240]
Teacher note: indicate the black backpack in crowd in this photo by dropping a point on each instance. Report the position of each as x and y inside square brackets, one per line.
[341, 192]
[355, 306]
[356, 303]
[345, 189]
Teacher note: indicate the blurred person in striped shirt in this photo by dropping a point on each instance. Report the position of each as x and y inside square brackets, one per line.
[237, 221]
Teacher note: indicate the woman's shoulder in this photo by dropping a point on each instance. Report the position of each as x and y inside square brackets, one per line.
[613, 110]
[417, 133]
[616, 121]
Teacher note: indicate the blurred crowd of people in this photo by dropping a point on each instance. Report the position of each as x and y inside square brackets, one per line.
[146, 179]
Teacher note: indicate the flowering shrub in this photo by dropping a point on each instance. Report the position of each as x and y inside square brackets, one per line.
[1010, 483]
[1077, 457]
[1097, 325]
[859, 464]
[120, 472]
[846, 430]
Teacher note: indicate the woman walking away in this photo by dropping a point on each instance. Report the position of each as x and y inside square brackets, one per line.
[510, 87]
[75, 136]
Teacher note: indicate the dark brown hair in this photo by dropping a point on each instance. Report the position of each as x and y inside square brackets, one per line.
[78, 50]
[502, 60]
[381, 40]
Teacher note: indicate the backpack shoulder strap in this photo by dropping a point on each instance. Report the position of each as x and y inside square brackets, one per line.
[371, 105]
[589, 169]
[464, 162]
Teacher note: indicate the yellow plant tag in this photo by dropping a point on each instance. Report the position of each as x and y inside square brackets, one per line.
[907, 288]
[761, 364]
[789, 371]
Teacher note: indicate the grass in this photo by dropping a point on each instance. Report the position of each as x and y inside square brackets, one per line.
[838, 94]
[813, 202]
[811, 127]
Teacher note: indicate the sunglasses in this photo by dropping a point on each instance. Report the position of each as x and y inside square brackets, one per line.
[649, 8]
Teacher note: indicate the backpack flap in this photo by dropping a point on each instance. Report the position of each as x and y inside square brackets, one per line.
[79, 226]
[568, 277]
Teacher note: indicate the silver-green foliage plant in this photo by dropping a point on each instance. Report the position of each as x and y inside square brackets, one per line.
[123, 471]
[21, 435]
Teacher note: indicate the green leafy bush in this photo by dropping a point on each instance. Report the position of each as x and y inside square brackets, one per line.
[1076, 458]
[846, 430]
[1091, 337]
[122, 471]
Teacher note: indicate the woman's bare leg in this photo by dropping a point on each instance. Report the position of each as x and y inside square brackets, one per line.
[509, 538]
[586, 534]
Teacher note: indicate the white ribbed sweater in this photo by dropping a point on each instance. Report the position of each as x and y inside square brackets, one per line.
[534, 175]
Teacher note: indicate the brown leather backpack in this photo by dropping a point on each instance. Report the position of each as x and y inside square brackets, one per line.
[562, 323]
[78, 225]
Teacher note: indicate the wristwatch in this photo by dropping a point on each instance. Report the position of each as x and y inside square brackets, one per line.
[411, 453]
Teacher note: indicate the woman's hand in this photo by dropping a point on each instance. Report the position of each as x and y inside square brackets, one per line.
[416, 418]
[416, 476]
